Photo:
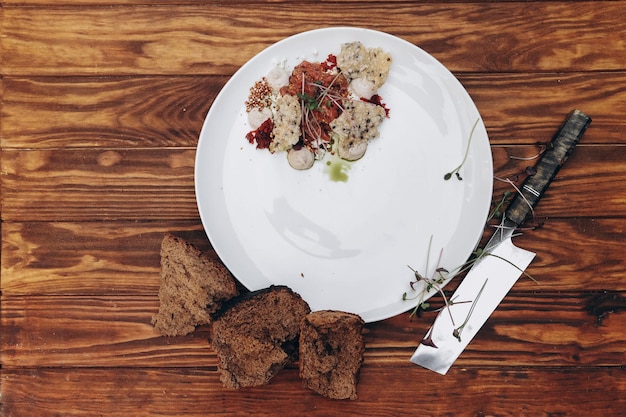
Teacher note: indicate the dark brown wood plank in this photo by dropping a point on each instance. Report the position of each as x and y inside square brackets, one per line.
[94, 331]
[99, 185]
[580, 254]
[207, 3]
[529, 329]
[526, 108]
[408, 391]
[88, 258]
[158, 184]
[169, 111]
[105, 112]
[118, 258]
[586, 187]
[552, 36]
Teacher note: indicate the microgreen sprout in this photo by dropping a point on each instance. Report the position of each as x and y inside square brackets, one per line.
[526, 274]
[498, 209]
[456, 170]
[431, 283]
[309, 102]
[428, 339]
[457, 332]
[508, 181]
[327, 93]
[441, 274]
[314, 130]
[439, 277]
[542, 149]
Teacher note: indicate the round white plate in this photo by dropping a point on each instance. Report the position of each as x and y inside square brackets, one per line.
[347, 245]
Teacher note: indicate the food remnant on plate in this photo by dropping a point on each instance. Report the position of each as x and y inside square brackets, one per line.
[368, 67]
[330, 106]
[355, 127]
[337, 169]
[301, 158]
[286, 123]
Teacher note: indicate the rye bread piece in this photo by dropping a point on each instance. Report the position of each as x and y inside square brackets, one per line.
[193, 285]
[256, 334]
[331, 353]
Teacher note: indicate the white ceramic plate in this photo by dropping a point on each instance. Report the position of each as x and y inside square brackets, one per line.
[347, 245]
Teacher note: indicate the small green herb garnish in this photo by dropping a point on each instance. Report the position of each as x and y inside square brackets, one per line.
[456, 170]
[430, 283]
[310, 103]
[526, 274]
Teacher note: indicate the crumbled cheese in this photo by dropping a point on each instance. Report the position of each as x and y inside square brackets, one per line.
[287, 115]
[355, 127]
[360, 120]
[357, 61]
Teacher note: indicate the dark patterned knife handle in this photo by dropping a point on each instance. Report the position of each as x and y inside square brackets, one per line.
[555, 155]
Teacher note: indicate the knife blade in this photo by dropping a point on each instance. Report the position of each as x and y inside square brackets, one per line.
[501, 263]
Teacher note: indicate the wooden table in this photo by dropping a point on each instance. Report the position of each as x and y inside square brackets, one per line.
[102, 105]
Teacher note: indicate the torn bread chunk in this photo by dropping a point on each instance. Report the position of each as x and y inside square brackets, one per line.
[192, 286]
[256, 334]
[331, 353]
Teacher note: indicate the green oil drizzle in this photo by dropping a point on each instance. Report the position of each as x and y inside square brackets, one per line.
[337, 169]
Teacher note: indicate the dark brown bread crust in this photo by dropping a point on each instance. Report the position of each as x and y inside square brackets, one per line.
[256, 334]
[331, 353]
[192, 287]
[232, 302]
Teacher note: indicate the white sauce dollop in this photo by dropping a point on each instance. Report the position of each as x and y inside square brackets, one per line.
[301, 158]
[278, 77]
[362, 88]
[257, 116]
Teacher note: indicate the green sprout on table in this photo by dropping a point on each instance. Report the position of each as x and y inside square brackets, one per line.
[456, 170]
[435, 282]
[441, 275]
[457, 332]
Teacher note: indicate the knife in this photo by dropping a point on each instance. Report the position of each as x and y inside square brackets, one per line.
[500, 264]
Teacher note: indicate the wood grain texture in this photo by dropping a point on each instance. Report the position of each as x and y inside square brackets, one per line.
[217, 39]
[99, 184]
[101, 106]
[87, 112]
[501, 391]
[538, 329]
[174, 3]
[527, 107]
[117, 112]
[122, 258]
[88, 258]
